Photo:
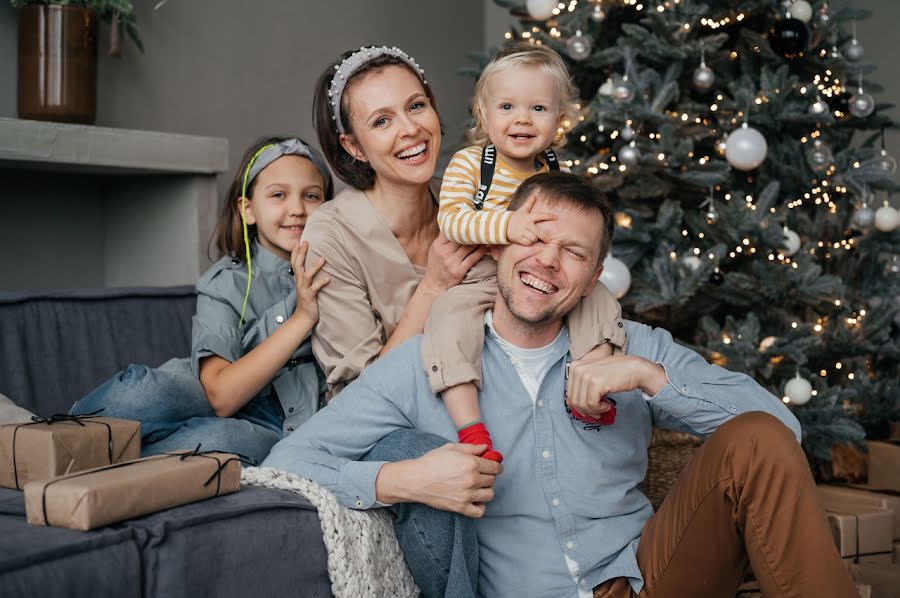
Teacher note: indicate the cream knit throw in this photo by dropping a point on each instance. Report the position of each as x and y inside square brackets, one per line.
[364, 558]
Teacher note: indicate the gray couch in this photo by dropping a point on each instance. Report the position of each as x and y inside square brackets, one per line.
[57, 346]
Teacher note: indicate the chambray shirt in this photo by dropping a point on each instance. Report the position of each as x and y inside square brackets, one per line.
[273, 297]
[567, 489]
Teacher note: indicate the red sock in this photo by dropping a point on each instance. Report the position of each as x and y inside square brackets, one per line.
[606, 419]
[478, 434]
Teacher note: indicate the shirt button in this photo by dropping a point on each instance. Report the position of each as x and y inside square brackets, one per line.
[583, 581]
[555, 502]
[541, 403]
[291, 271]
[290, 429]
[684, 388]
[279, 319]
[359, 503]
[546, 454]
[570, 545]
[290, 409]
[621, 324]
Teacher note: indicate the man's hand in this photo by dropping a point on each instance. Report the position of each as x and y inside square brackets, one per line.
[592, 378]
[451, 478]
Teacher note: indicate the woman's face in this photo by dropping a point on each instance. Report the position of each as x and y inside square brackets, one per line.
[395, 127]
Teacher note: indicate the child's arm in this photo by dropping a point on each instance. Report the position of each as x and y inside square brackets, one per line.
[230, 385]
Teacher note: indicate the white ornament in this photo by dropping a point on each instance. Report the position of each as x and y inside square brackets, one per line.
[540, 10]
[790, 243]
[630, 155]
[597, 14]
[854, 50]
[746, 148]
[616, 276]
[819, 106]
[861, 104]
[626, 133]
[798, 390]
[579, 46]
[863, 217]
[691, 261]
[607, 88]
[887, 218]
[801, 10]
[704, 78]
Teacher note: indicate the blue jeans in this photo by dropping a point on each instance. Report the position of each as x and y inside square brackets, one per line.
[175, 414]
[440, 547]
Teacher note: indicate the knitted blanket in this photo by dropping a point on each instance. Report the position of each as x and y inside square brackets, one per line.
[364, 558]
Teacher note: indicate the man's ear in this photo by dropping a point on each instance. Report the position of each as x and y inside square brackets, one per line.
[248, 209]
[594, 281]
[351, 147]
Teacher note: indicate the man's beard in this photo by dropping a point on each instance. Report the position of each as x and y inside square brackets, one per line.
[533, 323]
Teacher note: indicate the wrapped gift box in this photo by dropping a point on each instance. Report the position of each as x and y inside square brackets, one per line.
[884, 579]
[44, 449]
[98, 497]
[863, 533]
[860, 494]
[884, 465]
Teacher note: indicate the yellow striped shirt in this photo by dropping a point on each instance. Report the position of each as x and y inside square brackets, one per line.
[457, 217]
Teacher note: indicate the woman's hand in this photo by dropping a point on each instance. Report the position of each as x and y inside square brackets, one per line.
[307, 284]
[448, 263]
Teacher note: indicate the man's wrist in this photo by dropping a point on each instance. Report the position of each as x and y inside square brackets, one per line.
[391, 485]
[653, 378]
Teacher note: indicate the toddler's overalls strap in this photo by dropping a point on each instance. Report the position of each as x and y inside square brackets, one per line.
[489, 163]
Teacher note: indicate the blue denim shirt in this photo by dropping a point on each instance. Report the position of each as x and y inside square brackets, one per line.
[565, 489]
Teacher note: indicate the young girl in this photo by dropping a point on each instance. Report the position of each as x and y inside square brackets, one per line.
[251, 378]
[521, 101]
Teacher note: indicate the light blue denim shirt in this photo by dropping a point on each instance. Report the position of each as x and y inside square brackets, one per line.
[273, 298]
[566, 488]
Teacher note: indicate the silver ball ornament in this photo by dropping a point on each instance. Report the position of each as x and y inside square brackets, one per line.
[597, 14]
[801, 9]
[746, 148]
[887, 218]
[861, 104]
[798, 390]
[626, 133]
[629, 155]
[886, 163]
[691, 261]
[863, 217]
[579, 46]
[704, 78]
[819, 156]
[820, 106]
[823, 19]
[790, 242]
[540, 10]
[616, 276]
[622, 91]
[712, 216]
[854, 51]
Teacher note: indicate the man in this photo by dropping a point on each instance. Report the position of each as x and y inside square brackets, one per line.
[563, 516]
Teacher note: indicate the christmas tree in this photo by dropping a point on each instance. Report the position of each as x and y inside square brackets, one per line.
[744, 155]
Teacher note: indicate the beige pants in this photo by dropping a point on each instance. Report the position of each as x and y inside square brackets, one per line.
[454, 332]
[746, 495]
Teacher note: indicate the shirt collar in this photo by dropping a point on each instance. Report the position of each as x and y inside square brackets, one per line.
[560, 344]
[266, 260]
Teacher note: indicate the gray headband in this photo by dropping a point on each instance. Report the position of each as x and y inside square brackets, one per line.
[351, 64]
[288, 147]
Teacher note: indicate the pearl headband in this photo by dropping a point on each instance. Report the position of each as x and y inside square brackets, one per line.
[345, 70]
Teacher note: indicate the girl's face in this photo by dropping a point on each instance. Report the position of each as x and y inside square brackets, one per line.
[521, 114]
[395, 127]
[285, 194]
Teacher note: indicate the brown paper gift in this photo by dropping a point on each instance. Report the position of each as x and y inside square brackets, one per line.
[884, 579]
[860, 494]
[64, 444]
[861, 531]
[98, 497]
[884, 465]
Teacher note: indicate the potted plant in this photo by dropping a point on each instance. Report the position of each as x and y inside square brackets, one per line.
[57, 55]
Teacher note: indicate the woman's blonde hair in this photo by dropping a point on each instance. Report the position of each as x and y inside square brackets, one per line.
[526, 55]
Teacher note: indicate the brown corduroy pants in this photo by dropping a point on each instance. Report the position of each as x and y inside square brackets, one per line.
[747, 494]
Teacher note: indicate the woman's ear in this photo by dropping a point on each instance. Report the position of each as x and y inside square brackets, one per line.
[351, 147]
[249, 216]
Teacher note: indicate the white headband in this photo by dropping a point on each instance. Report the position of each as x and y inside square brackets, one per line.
[351, 64]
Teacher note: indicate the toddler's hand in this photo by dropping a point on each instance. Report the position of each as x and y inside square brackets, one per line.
[523, 225]
[307, 283]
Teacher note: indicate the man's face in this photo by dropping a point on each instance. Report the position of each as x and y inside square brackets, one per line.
[541, 283]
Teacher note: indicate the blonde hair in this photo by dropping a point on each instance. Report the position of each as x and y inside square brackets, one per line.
[526, 55]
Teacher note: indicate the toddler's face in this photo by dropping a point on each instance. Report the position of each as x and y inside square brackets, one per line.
[521, 113]
[285, 193]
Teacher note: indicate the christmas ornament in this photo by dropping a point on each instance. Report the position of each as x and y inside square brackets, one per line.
[887, 218]
[629, 155]
[863, 217]
[712, 216]
[607, 88]
[798, 390]
[823, 19]
[704, 78]
[819, 156]
[886, 163]
[716, 278]
[691, 261]
[622, 90]
[801, 10]
[579, 46]
[540, 10]
[766, 343]
[854, 50]
[626, 133]
[819, 106]
[861, 104]
[790, 242]
[746, 148]
[894, 266]
[789, 38]
[616, 276]
[597, 14]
